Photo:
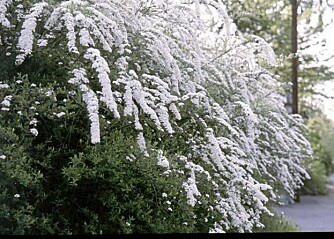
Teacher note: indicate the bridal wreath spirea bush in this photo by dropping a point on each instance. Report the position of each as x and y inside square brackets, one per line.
[127, 116]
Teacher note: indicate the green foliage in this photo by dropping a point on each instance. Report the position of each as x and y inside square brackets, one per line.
[276, 223]
[125, 197]
[58, 183]
[322, 164]
[317, 184]
[317, 129]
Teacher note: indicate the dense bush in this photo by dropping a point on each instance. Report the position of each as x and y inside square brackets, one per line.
[122, 117]
[317, 184]
[55, 182]
[277, 223]
[321, 166]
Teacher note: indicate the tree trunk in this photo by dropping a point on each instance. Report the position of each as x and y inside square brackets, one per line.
[294, 68]
[294, 47]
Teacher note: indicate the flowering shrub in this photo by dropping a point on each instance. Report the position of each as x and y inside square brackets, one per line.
[139, 116]
[55, 182]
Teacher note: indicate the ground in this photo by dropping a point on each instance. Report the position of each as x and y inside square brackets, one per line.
[313, 213]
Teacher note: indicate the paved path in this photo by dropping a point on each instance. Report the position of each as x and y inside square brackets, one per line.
[313, 213]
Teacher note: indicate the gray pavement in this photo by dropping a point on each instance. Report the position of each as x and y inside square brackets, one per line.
[313, 213]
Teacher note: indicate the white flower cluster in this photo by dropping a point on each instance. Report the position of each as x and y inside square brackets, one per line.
[3, 86]
[91, 100]
[25, 43]
[6, 103]
[34, 132]
[3, 10]
[162, 160]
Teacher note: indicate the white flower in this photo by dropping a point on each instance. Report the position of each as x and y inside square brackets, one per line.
[101, 67]
[92, 103]
[2, 156]
[25, 42]
[162, 160]
[42, 42]
[59, 114]
[17, 195]
[3, 86]
[6, 101]
[142, 143]
[48, 93]
[130, 157]
[85, 38]
[164, 195]
[34, 131]
[34, 121]
[72, 93]
[70, 25]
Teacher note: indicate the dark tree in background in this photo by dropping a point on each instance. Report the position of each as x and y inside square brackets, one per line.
[294, 48]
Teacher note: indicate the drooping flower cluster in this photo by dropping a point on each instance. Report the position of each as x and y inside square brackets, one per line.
[163, 62]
